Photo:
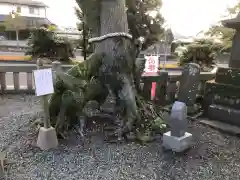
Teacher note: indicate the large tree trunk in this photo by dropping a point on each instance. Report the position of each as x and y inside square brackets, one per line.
[116, 71]
[113, 19]
[111, 68]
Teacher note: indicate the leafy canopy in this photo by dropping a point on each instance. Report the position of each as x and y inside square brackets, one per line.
[15, 22]
[202, 52]
[223, 33]
[44, 42]
[144, 18]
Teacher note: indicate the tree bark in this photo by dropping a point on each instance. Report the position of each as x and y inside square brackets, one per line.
[117, 66]
[113, 19]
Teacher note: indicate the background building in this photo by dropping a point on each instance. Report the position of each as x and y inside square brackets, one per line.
[33, 13]
[69, 32]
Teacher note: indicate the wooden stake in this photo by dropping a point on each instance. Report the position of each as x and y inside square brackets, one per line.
[44, 100]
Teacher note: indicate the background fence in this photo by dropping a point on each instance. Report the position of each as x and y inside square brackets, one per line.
[16, 79]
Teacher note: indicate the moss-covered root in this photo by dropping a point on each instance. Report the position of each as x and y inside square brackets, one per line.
[87, 69]
[149, 121]
[72, 90]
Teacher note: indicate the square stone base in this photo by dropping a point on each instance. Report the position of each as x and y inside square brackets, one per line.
[47, 138]
[177, 144]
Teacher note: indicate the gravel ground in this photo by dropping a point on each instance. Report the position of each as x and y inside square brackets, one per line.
[214, 156]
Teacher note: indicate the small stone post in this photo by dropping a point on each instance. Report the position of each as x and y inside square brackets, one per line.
[162, 89]
[178, 139]
[47, 137]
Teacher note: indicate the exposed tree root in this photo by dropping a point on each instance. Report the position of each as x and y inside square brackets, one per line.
[81, 84]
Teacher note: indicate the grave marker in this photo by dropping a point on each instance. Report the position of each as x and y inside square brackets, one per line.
[178, 139]
[178, 119]
[189, 83]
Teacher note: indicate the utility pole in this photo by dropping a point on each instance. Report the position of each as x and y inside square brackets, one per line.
[84, 38]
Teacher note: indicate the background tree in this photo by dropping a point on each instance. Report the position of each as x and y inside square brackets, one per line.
[202, 52]
[44, 42]
[223, 33]
[15, 22]
[144, 19]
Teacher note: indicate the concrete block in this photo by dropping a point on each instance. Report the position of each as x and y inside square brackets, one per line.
[177, 144]
[47, 138]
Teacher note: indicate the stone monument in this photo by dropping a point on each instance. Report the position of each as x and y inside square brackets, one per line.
[222, 95]
[189, 83]
[178, 139]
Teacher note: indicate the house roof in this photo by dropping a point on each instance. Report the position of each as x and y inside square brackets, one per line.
[31, 21]
[24, 2]
[232, 23]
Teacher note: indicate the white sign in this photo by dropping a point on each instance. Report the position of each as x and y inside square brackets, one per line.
[43, 82]
[152, 64]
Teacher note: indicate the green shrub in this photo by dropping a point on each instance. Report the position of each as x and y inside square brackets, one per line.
[202, 52]
[45, 43]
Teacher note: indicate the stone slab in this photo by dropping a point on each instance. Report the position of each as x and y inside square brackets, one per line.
[222, 89]
[228, 76]
[225, 114]
[177, 144]
[47, 138]
[224, 127]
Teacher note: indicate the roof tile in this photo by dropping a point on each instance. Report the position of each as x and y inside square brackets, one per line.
[24, 2]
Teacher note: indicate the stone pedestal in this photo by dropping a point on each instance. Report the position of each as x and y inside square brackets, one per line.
[47, 138]
[177, 144]
[222, 96]
[178, 139]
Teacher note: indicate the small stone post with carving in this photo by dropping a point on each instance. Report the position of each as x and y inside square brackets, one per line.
[189, 83]
[47, 137]
[178, 139]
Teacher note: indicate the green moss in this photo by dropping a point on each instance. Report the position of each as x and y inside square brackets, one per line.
[228, 76]
[222, 89]
[74, 88]
[223, 94]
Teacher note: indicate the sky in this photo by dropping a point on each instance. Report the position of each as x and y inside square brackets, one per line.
[185, 17]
